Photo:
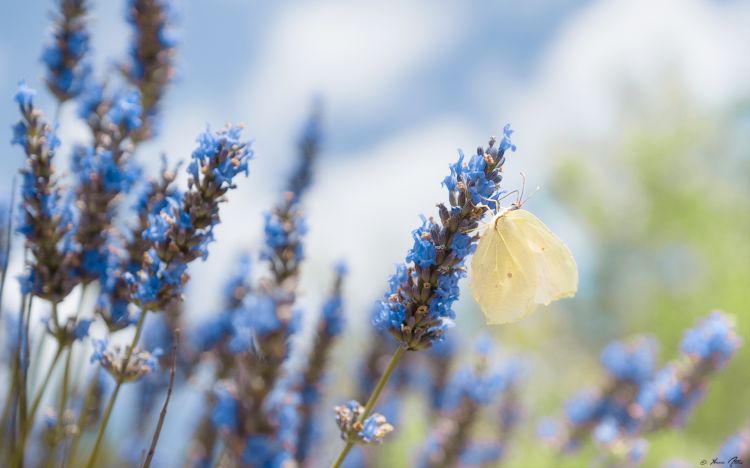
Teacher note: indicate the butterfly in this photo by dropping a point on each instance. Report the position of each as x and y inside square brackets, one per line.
[519, 264]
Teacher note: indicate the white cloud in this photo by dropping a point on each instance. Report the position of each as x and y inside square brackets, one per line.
[354, 54]
[616, 51]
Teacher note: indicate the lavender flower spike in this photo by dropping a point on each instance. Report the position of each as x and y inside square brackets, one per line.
[418, 307]
[151, 65]
[46, 221]
[65, 55]
[330, 326]
[182, 227]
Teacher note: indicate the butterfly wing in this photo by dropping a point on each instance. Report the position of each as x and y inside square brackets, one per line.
[502, 278]
[555, 265]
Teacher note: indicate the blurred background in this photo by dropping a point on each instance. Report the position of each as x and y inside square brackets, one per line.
[633, 116]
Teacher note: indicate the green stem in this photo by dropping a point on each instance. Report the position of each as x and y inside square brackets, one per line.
[65, 386]
[395, 359]
[9, 399]
[29, 420]
[87, 401]
[111, 403]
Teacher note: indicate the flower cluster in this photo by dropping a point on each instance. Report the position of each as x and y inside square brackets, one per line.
[637, 399]
[330, 325]
[370, 431]
[123, 363]
[262, 327]
[181, 227]
[468, 395]
[65, 55]
[113, 304]
[670, 397]
[215, 332]
[46, 219]
[151, 64]
[418, 306]
[737, 446]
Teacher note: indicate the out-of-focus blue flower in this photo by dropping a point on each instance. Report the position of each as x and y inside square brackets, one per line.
[669, 398]
[583, 408]
[606, 432]
[151, 64]
[113, 359]
[81, 329]
[91, 167]
[370, 431]
[215, 330]
[65, 54]
[24, 96]
[374, 429]
[481, 454]
[632, 361]
[126, 110]
[714, 339]
[90, 98]
[737, 446]
[257, 318]
[225, 411]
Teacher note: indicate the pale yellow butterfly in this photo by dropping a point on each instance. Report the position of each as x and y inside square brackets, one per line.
[519, 264]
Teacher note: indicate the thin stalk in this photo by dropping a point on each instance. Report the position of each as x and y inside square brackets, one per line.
[87, 400]
[36, 368]
[22, 364]
[120, 380]
[6, 247]
[395, 359]
[29, 421]
[163, 413]
[65, 388]
[8, 402]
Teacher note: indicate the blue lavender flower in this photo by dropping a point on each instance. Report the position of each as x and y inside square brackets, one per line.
[44, 218]
[81, 329]
[374, 429]
[24, 96]
[330, 325]
[181, 229]
[65, 55]
[470, 392]
[583, 408]
[370, 431]
[218, 329]
[224, 414]
[632, 361]
[151, 64]
[418, 307]
[126, 109]
[714, 339]
[481, 454]
[424, 251]
[737, 446]
[669, 398]
[112, 360]
[309, 143]
[90, 98]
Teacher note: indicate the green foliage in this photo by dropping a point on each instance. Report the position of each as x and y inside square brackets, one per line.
[666, 207]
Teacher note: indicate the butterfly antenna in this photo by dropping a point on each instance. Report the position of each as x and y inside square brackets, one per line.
[519, 202]
[507, 195]
[495, 202]
[536, 190]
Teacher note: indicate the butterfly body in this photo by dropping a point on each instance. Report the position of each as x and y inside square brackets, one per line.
[519, 264]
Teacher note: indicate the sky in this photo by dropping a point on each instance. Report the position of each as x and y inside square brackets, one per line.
[404, 85]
